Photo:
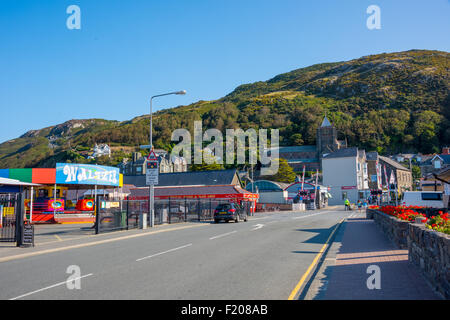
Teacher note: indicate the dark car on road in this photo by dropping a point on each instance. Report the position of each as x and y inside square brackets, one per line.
[228, 212]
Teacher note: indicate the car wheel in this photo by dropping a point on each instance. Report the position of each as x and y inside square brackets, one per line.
[216, 221]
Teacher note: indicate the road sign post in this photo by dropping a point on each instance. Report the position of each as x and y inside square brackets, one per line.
[151, 179]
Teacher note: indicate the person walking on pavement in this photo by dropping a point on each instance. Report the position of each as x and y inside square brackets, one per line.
[359, 206]
[347, 204]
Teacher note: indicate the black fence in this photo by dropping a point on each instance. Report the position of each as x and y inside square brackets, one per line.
[114, 215]
[9, 207]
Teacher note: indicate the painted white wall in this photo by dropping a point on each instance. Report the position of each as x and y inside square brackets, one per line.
[279, 197]
[338, 173]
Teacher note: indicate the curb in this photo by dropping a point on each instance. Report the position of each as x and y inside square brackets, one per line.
[308, 276]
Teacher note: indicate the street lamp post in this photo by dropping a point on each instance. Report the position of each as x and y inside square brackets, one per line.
[151, 196]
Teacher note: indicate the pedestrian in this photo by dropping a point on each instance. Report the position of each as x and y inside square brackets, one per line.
[359, 206]
[347, 204]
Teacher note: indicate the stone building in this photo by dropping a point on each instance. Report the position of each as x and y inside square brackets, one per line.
[167, 164]
[310, 156]
[402, 175]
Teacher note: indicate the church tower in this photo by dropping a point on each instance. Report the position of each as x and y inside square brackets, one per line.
[326, 138]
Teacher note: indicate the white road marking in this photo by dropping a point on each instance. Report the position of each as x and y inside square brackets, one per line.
[222, 235]
[258, 226]
[310, 215]
[167, 251]
[49, 287]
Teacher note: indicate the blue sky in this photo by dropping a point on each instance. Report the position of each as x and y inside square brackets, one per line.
[127, 51]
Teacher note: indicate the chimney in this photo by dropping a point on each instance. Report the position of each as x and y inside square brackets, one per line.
[446, 150]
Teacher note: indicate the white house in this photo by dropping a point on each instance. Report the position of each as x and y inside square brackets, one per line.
[345, 173]
[101, 150]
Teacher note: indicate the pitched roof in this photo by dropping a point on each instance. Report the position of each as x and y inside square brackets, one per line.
[393, 163]
[190, 178]
[343, 153]
[226, 191]
[326, 122]
[372, 156]
[445, 158]
[294, 149]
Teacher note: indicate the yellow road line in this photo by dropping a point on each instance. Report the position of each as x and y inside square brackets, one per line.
[82, 245]
[313, 264]
[58, 237]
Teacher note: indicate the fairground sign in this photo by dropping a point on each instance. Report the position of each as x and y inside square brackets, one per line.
[88, 174]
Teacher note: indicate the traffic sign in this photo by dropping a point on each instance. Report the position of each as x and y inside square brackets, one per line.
[152, 172]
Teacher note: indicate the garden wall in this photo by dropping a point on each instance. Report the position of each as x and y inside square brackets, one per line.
[427, 249]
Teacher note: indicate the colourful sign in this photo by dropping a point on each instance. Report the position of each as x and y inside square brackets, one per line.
[86, 174]
[8, 211]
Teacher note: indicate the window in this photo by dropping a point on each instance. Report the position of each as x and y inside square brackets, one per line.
[437, 164]
[344, 195]
[432, 196]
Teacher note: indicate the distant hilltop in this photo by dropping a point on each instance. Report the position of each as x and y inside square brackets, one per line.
[390, 103]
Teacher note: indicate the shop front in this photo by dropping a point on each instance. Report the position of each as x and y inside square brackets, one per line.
[57, 198]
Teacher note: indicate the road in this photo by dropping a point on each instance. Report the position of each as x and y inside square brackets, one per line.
[263, 258]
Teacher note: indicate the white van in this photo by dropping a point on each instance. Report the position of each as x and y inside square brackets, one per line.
[432, 199]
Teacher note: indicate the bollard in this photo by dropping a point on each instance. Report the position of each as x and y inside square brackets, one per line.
[143, 221]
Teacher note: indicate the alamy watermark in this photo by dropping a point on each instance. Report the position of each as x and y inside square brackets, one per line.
[374, 20]
[74, 20]
[74, 280]
[374, 281]
[235, 147]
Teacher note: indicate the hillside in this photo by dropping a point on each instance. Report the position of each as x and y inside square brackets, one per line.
[392, 102]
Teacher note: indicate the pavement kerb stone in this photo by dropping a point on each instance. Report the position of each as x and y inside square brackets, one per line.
[309, 276]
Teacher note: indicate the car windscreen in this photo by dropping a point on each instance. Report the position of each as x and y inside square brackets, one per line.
[223, 206]
[432, 196]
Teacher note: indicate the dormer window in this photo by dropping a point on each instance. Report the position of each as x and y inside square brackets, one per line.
[437, 164]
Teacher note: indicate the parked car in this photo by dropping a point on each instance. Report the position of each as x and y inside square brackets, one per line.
[431, 199]
[228, 212]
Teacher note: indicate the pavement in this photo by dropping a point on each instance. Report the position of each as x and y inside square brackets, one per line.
[362, 264]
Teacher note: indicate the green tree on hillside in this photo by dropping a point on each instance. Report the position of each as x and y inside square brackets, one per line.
[204, 166]
[284, 174]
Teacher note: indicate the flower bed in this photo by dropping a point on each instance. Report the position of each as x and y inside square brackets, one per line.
[439, 222]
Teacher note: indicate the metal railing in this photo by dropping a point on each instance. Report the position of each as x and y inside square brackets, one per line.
[8, 220]
[117, 214]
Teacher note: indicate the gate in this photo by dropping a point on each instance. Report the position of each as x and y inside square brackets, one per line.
[115, 215]
[9, 206]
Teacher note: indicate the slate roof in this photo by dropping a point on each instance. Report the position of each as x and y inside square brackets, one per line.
[295, 149]
[393, 163]
[372, 156]
[343, 153]
[444, 157]
[190, 178]
[326, 122]
[191, 191]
